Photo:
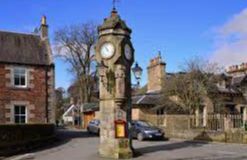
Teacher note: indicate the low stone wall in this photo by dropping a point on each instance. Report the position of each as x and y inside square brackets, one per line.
[182, 126]
[197, 134]
[178, 126]
[177, 122]
[16, 138]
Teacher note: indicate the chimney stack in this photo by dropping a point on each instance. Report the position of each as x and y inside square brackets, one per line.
[156, 74]
[237, 70]
[43, 28]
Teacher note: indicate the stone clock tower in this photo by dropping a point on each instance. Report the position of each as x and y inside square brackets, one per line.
[115, 55]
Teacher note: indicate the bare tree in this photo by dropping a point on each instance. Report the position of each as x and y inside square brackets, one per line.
[75, 44]
[192, 85]
[60, 101]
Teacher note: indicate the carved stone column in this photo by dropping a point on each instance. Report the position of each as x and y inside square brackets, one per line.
[114, 53]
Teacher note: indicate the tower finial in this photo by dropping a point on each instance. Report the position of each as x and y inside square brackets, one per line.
[114, 10]
[159, 54]
[114, 4]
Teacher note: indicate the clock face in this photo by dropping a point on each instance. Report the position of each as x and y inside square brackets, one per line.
[128, 52]
[107, 50]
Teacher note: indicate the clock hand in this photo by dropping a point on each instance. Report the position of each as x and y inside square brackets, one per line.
[107, 49]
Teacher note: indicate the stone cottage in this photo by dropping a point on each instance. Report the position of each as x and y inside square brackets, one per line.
[231, 89]
[26, 77]
[146, 103]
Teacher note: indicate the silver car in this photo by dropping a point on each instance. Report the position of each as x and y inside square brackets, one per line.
[93, 126]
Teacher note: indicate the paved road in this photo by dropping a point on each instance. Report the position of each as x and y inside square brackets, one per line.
[78, 145]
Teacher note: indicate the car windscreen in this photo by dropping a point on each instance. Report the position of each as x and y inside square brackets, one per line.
[97, 122]
[144, 124]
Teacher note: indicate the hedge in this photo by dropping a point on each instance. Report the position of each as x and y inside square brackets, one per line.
[14, 138]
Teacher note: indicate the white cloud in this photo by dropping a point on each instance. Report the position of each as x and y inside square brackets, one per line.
[231, 41]
[237, 24]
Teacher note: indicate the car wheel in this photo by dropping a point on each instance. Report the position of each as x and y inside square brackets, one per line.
[98, 132]
[140, 137]
[88, 130]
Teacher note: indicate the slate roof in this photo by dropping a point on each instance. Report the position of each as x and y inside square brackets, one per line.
[238, 80]
[146, 99]
[88, 107]
[230, 90]
[23, 48]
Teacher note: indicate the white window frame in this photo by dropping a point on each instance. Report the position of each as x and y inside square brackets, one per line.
[25, 75]
[20, 115]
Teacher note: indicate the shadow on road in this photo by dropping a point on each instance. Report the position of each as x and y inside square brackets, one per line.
[64, 134]
[203, 138]
[167, 147]
[62, 137]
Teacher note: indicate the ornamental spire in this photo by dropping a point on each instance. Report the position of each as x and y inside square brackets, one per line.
[114, 12]
[114, 2]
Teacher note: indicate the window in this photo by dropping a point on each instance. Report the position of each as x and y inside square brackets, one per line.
[20, 114]
[160, 112]
[20, 77]
[242, 110]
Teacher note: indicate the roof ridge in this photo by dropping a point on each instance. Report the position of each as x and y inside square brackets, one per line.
[141, 99]
[22, 33]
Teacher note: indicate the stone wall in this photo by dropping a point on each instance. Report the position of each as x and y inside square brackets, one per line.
[51, 94]
[178, 126]
[135, 114]
[39, 104]
[97, 115]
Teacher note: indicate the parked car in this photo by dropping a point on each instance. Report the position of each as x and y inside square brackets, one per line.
[145, 130]
[93, 127]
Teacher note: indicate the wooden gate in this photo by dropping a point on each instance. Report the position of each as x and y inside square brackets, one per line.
[88, 116]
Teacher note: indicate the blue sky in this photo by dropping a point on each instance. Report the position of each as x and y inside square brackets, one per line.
[179, 29]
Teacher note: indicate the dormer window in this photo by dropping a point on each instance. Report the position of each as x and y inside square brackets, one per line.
[20, 77]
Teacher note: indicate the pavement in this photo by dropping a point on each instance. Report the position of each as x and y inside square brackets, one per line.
[79, 145]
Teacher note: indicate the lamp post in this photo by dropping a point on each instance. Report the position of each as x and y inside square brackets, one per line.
[137, 70]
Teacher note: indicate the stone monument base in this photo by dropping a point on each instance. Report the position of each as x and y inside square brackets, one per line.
[119, 150]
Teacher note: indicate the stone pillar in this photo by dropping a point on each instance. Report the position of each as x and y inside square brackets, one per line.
[115, 55]
[244, 116]
[227, 123]
[114, 108]
[197, 116]
[205, 114]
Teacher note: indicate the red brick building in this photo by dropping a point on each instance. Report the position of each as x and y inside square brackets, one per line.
[26, 77]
